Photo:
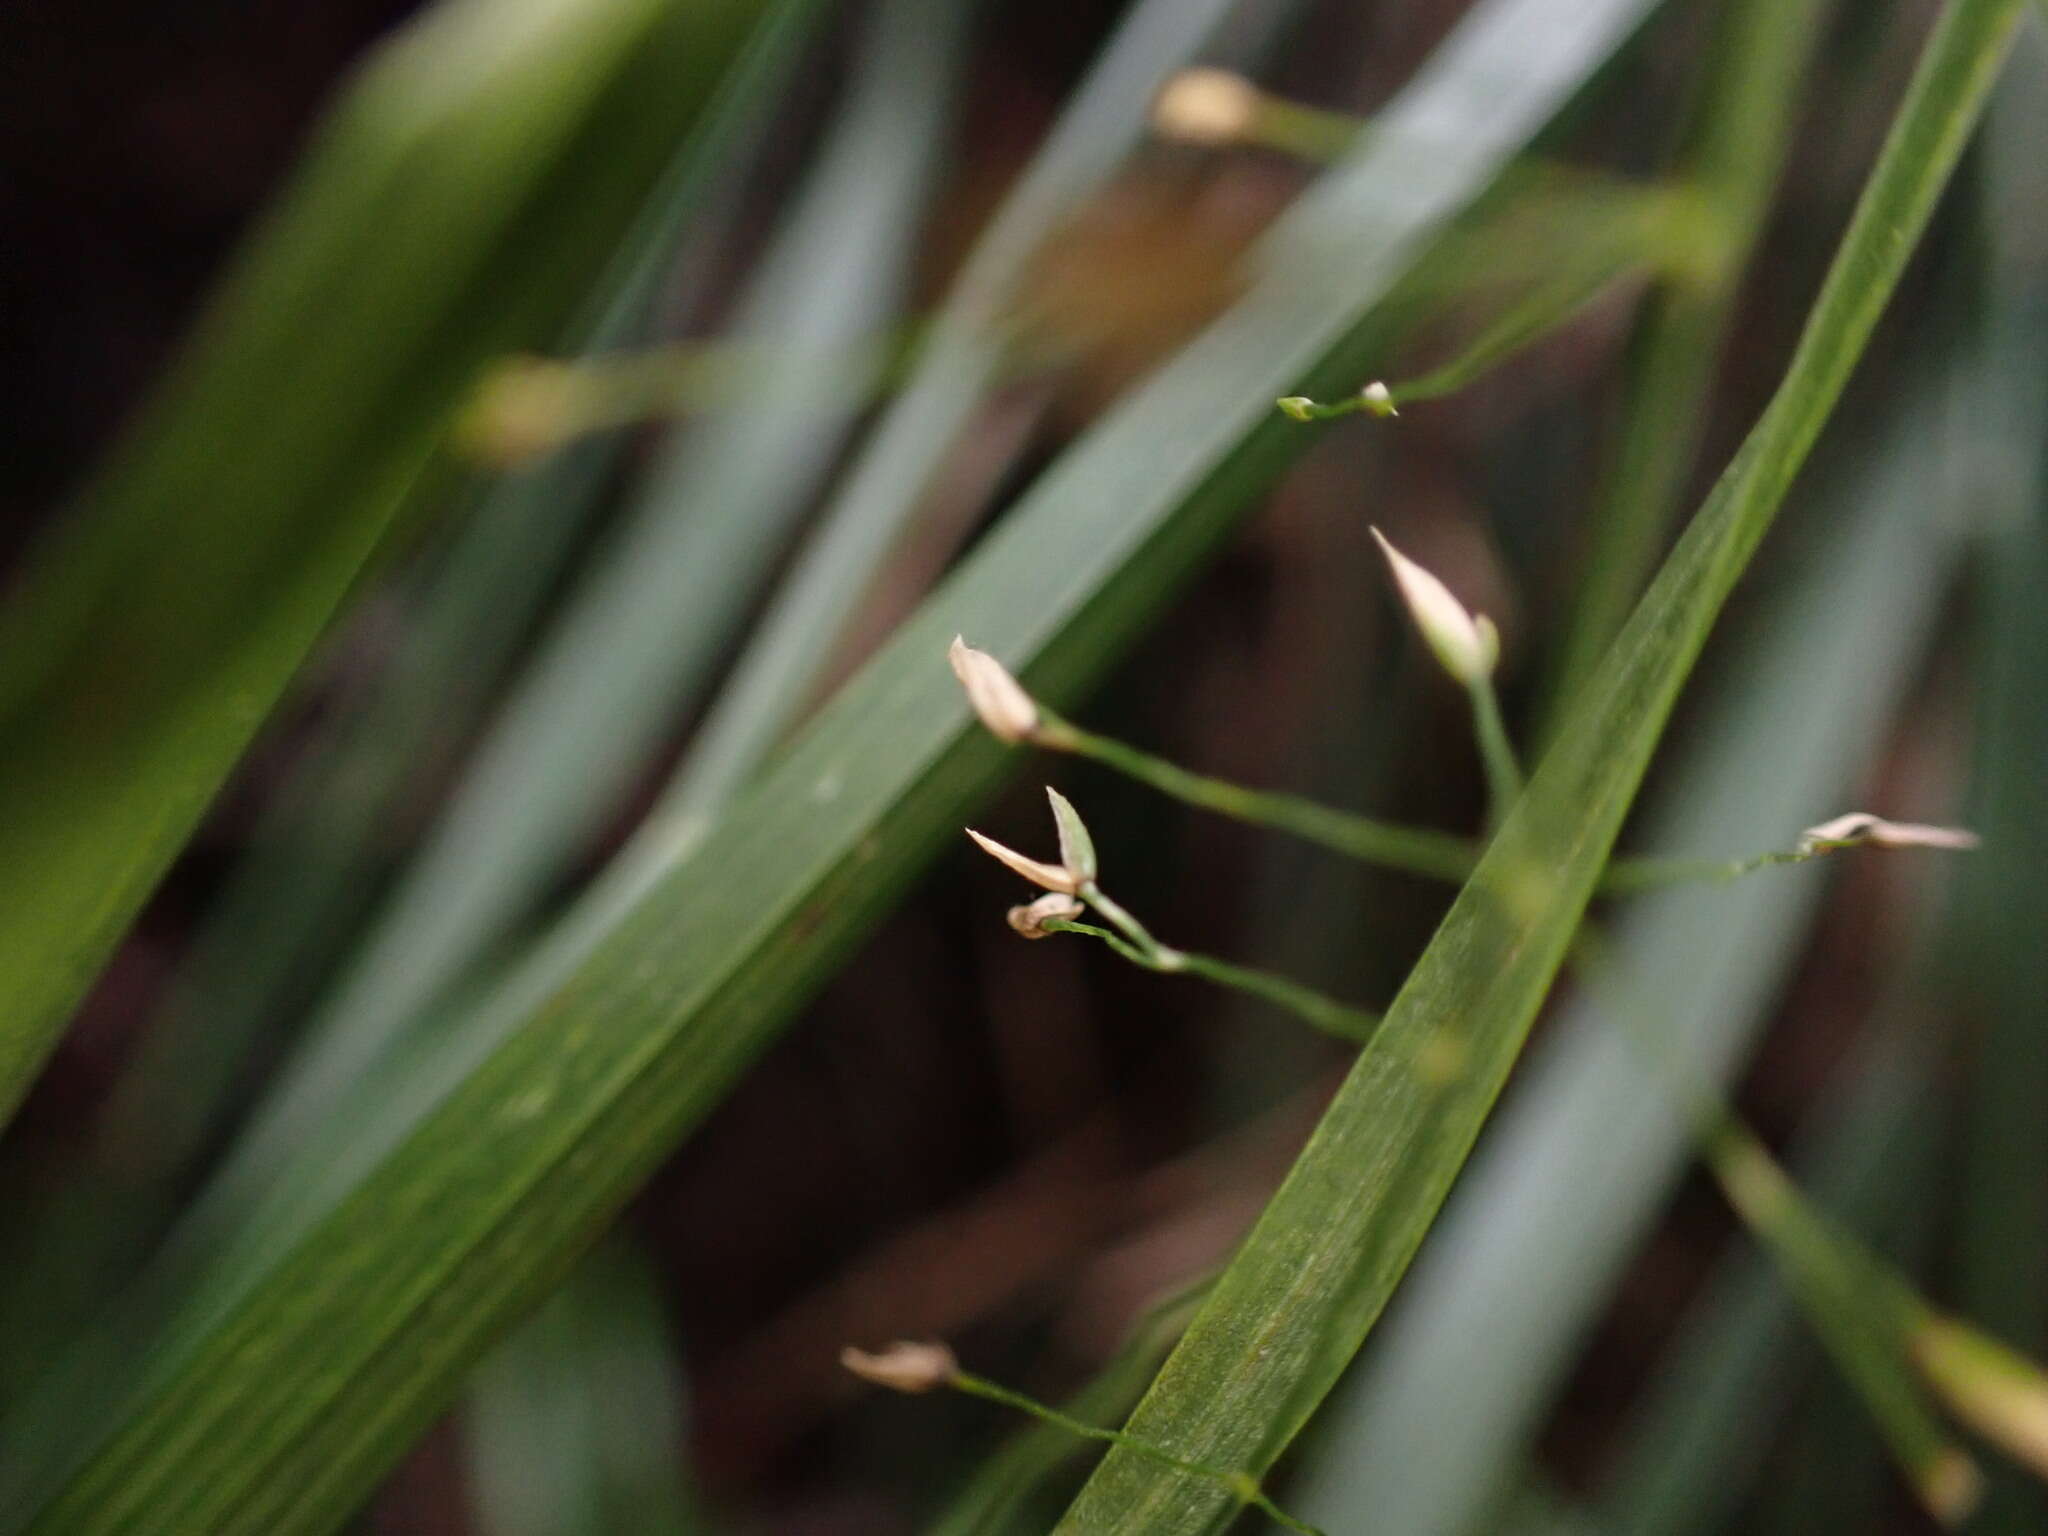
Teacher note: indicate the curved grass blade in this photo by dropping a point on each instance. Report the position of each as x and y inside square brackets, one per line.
[457, 203]
[1298, 1300]
[313, 858]
[1731, 157]
[960, 359]
[288, 1383]
[315, 855]
[573, 1426]
[1580, 1160]
[996, 1500]
[641, 632]
[1999, 967]
[1697, 1443]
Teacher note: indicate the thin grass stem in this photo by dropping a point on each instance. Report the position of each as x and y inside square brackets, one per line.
[1640, 241]
[1419, 850]
[1241, 1486]
[1137, 945]
[1389, 845]
[1496, 751]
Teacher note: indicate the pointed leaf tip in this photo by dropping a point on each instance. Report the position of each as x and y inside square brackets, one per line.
[1077, 848]
[1051, 876]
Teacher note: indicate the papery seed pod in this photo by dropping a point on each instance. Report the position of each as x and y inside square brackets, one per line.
[1029, 920]
[1861, 827]
[998, 699]
[904, 1366]
[1053, 877]
[1211, 107]
[1465, 649]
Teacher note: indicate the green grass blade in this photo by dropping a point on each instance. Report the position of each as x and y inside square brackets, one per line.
[997, 1500]
[1582, 1156]
[314, 857]
[1296, 1303]
[1864, 1313]
[1733, 152]
[283, 1390]
[316, 853]
[2000, 968]
[458, 202]
[640, 634]
[572, 1426]
[961, 358]
[1699, 1439]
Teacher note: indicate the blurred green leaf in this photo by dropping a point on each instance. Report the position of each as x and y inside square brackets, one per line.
[573, 1426]
[316, 855]
[1999, 967]
[1733, 150]
[640, 633]
[458, 202]
[1695, 1445]
[319, 848]
[1294, 1306]
[961, 357]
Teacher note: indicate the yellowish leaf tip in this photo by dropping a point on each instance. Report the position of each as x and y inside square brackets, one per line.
[1995, 1390]
[1951, 1486]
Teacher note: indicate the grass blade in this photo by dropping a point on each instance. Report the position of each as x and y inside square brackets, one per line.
[278, 1397]
[2000, 968]
[1732, 155]
[457, 203]
[1864, 1313]
[315, 855]
[641, 632]
[1293, 1307]
[1699, 1439]
[960, 360]
[571, 1427]
[1580, 1159]
[996, 1500]
[312, 864]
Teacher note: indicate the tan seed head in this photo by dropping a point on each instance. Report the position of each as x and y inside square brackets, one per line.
[1467, 648]
[998, 699]
[1029, 920]
[904, 1366]
[1212, 107]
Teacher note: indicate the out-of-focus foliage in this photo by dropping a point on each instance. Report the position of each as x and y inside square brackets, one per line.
[583, 471]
